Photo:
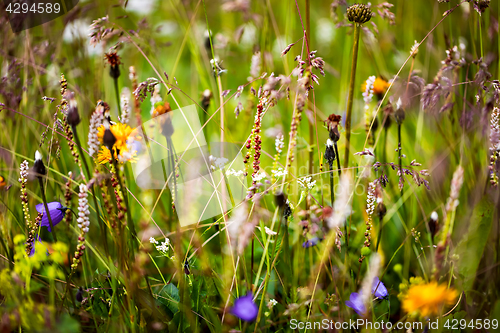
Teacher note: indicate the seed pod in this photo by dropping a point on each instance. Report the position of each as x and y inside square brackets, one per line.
[359, 13]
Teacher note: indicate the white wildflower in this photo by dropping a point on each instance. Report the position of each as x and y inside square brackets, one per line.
[258, 177]
[269, 231]
[153, 241]
[279, 143]
[125, 105]
[83, 209]
[368, 93]
[279, 173]
[95, 122]
[307, 183]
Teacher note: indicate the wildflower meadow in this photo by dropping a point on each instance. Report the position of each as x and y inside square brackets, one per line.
[250, 166]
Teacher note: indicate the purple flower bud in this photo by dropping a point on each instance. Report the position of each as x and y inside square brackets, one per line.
[244, 308]
[56, 211]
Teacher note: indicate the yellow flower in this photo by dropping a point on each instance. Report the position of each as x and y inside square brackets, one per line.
[380, 86]
[121, 132]
[429, 298]
[104, 155]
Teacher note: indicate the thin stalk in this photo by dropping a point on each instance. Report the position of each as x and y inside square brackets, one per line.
[44, 199]
[92, 189]
[338, 158]
[117, 93]
[332, 194]
[350, 99]
[379, 235]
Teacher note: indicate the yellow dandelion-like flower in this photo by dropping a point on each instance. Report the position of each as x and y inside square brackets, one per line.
[104, 155]
[122, 132]
[380, 86]
[429, 298]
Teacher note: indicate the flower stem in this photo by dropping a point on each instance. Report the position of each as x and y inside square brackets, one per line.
[117, 93]
[350, 99]
[44, 199]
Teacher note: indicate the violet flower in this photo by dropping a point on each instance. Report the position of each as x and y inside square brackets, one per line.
[356, 303]
[56, 211]
[244, 308]
[378, 289]
[310, 242]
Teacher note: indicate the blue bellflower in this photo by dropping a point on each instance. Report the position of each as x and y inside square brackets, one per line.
[244, 308]
[378, 289]
[356, 303]
[56, 211]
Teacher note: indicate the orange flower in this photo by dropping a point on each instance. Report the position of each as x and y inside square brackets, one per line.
[380, 86]
[427, 299]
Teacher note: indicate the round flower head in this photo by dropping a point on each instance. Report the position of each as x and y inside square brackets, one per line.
[244, 308]
[379, 289]
[355, 302]
[56, 211]
[359, 13]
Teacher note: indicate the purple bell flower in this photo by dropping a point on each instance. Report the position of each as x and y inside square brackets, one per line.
[310, 242]
[356, 303]
[56, 211]
[244, 308]
[379, 289]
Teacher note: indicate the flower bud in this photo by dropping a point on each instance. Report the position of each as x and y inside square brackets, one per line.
[72, 117]
[39, 167]
[359, 13]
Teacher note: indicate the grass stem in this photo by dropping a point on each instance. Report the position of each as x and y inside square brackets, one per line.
[350, 99]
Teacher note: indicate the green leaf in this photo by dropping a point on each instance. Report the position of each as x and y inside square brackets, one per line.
[169, 298]
[471, 247]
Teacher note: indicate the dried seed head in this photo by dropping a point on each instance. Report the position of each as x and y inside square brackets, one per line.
[359, 13]
[332, 124]
[114, 61]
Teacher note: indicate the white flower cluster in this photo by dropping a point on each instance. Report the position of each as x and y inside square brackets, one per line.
[217, 162]
[371, 198]
[307, 183]
[258, 177]
[368, 93]
[95, 122]
[271, 303]
[495, 129]
[239, 173]
[280, 143]
[24, 172]
[83, 209]
[125, 105]
[163, 247]
[279, 173]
